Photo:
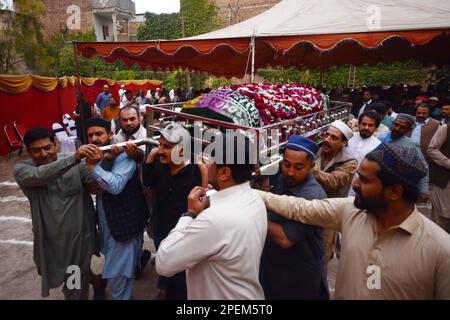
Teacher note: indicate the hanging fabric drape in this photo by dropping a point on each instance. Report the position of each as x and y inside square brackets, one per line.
[16, 84]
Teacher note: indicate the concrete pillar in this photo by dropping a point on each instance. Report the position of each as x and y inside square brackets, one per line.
[128, 30]
[114, 20]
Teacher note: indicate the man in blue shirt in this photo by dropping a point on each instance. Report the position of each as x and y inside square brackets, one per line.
[103, 98]
[293, 260]
[121, 208]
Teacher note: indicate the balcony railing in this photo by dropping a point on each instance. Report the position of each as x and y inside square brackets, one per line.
[125, 5]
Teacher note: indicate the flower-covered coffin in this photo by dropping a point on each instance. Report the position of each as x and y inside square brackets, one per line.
[256, 105]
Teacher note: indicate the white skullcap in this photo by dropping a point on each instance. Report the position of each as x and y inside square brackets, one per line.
[434, 99]
[342, 127]
[143, 108]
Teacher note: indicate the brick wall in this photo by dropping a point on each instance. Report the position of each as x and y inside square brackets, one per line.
[234, 11]
[57, 15]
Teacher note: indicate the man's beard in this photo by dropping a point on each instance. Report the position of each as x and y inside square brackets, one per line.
[130, 132]
[289, 182]
[396, 135]
[372, 204]
[365, 134]
[99, 144]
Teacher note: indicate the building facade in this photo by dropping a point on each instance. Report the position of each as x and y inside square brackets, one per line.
[228, 12]
[234, 11]
[108, 18]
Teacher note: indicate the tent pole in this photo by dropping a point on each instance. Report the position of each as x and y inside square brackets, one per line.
[321, 77]
[77, 69]
[253, 59]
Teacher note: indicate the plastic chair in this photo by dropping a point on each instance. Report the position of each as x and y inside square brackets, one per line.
[20, 129]
[59, 131]
[14, 141]
[67, 144]
[69, 123]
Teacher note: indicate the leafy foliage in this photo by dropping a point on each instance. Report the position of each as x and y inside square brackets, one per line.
[195, 17]
[21, 36]
[366, 75]
[220, 82]
[200, 16]
[160, 26]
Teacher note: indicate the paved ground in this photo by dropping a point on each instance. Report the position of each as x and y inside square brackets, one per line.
[18, 276]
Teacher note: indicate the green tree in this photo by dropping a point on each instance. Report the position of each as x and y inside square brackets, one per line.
[21, 37]
[366, 75]
[199, 16]
[195, 17]
[60, 59]
[160, 26]
[60, 56]
[220, 82]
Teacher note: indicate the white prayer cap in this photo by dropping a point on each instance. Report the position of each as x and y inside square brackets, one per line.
[433, 99]
[143, 108]
[342, 127]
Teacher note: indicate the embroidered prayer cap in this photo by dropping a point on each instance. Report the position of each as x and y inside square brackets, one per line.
[299, 143]
[407, 117]
[98, 122]
[342, 127]
[400, 163]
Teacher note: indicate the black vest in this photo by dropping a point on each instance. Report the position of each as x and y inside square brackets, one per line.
[440, 176]
[127, 212]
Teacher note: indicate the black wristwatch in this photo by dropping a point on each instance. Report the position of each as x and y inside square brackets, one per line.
[189, 214]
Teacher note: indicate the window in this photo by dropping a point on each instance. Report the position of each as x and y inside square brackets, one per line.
[105, 32]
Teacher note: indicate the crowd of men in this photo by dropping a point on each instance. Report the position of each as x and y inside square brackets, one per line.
[108, 107]
[353, 197]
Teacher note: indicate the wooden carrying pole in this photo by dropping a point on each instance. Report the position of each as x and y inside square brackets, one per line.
[77, 70]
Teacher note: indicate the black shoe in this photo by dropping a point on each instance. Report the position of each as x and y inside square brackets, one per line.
[146, 255]
[100, 293]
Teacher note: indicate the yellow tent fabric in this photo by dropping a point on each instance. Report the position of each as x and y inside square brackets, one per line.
[21, 83]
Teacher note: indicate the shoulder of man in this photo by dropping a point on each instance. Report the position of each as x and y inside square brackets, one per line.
[311, 190]
[344, 157]
[24, 164]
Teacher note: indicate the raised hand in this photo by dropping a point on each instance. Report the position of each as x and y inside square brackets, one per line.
[197, 200]
[134, 152]
[93, 159]
[85, 151]
[152, 155]
[203, 167]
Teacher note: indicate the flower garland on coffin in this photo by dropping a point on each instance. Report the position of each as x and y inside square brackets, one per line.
[283, 101]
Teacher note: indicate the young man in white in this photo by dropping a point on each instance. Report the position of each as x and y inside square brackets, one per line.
[363, 141]
[219, 246]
